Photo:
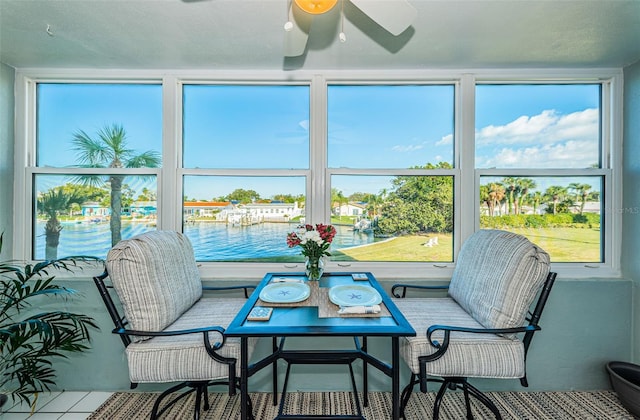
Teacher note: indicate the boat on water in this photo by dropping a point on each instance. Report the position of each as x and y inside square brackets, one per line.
[363, 225]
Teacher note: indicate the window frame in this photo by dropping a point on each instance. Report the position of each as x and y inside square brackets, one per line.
[610, 151]
[318, 175]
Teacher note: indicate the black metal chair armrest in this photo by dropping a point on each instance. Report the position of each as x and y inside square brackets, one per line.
[442, 347]
[245, 287]
[169, 333]
[211, 348]
[404, 288]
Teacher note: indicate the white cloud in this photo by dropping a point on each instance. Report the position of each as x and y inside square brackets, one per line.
[445, 141]
[546, 127]
[409, 148]
[546, 140]
[571, 154]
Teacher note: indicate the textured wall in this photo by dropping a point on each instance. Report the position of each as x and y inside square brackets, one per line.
[631, 201]
[7, 76]
[586, 324]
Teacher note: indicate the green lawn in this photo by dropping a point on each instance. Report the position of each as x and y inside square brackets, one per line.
[566, 244]
[563, 244]
[402, 248]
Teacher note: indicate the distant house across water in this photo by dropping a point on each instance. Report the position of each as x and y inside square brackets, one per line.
[205, 208]
[275, 211]
[242, 214]
[94, 209]
[350, 209]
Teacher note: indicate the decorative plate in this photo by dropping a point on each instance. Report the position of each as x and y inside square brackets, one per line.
[285, 292]
[354, 295]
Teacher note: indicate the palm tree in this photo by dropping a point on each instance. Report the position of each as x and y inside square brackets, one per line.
[582, 192]
[536, 197]
[337, 198]
[52, 203]
[555, 194]
[496, 195]
[511, 187]
[485, 198]
[109, 150]
[525, 184]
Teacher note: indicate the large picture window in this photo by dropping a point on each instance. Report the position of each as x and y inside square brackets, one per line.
[555, 128]
[391, 154]
[92, 179]
[246, 160]
[405, 168]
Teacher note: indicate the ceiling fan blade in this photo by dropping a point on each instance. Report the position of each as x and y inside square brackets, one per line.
[393, 15]
[295, 39]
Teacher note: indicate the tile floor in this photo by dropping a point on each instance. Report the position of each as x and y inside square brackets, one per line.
[68, 405]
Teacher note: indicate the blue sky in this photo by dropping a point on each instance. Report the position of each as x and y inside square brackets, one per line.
[63, 109]
[369, 127]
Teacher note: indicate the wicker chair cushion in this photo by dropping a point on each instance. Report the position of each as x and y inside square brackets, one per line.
[156, 278]
[468, 355]
[497, 277]
[183, 357]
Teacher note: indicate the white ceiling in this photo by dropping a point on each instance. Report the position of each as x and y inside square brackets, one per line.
[248, 34]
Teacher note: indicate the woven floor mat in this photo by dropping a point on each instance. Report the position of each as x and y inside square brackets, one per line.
[512, 405]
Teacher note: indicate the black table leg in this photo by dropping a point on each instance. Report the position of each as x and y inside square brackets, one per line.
[274, 373]
[244, 378]
[365, 375]
[395, 378]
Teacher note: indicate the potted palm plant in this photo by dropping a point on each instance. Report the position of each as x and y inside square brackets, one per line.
[30, 340]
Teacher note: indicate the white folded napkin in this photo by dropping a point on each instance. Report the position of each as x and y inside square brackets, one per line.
[286, 280]
[373, 309]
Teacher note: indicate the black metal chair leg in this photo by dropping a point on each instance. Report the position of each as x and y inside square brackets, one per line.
[439, 396]
[196, 408]
[405, 396]
[467, 403]
[486, 401]
[205, 395]
[155, 412]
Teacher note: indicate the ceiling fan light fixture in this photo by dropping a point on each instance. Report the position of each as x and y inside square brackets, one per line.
[315, 7]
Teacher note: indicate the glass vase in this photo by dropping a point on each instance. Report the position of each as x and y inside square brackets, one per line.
[314, 267]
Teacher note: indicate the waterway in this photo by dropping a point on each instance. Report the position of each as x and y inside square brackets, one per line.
[211, 241]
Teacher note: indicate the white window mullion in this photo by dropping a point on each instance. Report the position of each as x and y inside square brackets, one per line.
[612, 102]
[319, 190]
[466, 190]
[24, 159]
[169, 181]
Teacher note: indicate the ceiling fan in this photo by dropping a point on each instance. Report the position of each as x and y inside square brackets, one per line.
[395, 16]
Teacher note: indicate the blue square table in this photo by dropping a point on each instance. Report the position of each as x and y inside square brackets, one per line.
[305, 321]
